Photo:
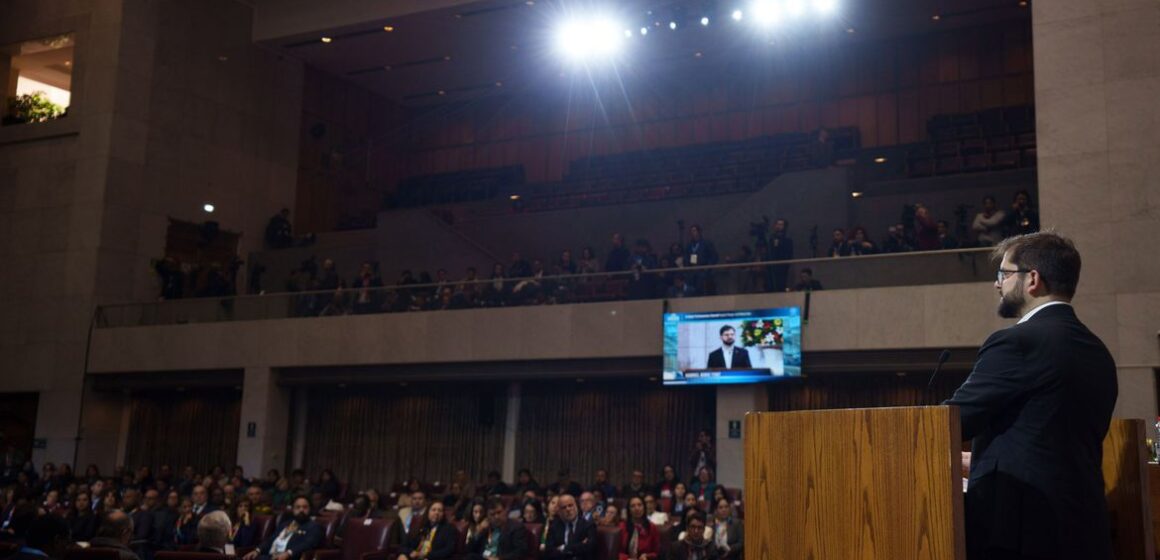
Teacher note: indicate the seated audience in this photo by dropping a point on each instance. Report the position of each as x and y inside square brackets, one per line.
[838, 245]
[412, 517]
[896, 241]
[243, 531]
[551, 513]
[639, 536]
[367, 295]
[435, 540]
[495, 485]
[860, 244]
[81, 520]
[474, 521]
[115, 532]
[945, 240]
[925, 229]
[610, 517]
[652, 509]
[213, 532]
[569, 536]
[636, 487]
[618, 258]
[296, 536]
[679, 493]
[532, 513]
[588, 510]
[498, 537]
[669, 479]
[1022, 218]
[602, 485]
[525, 482]
[696, 543]
[728, 533]
[564, 484]
[185, 527]
[703, 487]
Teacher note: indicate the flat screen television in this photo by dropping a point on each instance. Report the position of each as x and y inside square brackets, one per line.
[749, 346]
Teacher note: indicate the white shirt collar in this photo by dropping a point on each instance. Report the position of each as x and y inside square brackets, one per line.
[1029, 314]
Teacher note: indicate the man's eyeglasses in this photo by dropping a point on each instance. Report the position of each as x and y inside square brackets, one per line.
[1002, 275]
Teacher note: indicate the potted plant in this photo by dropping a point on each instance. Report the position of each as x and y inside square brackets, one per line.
[31, 107]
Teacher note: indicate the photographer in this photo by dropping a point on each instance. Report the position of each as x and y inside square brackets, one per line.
[779, 247]
[1022, 219]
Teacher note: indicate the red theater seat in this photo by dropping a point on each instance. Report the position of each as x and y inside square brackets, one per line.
[607, 543]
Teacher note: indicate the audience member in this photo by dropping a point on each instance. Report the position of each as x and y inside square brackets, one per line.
[367, 295]
[669, 479]
[243, 532]
[564, 484]
[588, 263]
[116, 532]
[588, 510]
[896, 241]
[860, 244]
[525, 482]
[495, 485]
[1022, 218]
[185, 527]
[779, 248]
[412, 516]
[618, 257]
[213, 532]
[945, 240]
[988, 224]
[639, 537]
[728, 533]
[700, 252]
[838, 245]
[681, 288]
[81, 520]
[436, 540]
[696, 541]
[293, 538]
[703, 454]
[531, 513]
[703, 487]
[610, 517]
[641, 284]
[636, 487]
[569, 536]
[925, 229]
[680, 491]
[807, 282]
[654, 512]
[499, 538]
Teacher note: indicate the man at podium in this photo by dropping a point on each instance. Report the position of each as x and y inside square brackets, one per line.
[1037, 407]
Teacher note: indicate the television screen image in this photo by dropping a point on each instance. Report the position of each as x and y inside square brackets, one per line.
[749, 346]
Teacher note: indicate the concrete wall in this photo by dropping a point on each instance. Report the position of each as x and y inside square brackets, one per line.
[1097, 79]
[159, 125]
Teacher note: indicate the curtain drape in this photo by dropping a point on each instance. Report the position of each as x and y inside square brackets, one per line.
[616, 425]
[198, 428]
[375, 436]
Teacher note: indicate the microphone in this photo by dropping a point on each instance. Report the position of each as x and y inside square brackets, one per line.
[942, 359]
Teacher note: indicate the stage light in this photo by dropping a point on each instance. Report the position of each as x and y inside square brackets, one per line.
[879, 159]
[765, 12]
[856, 194]
[208, 208]
[326, 39]
[596, 37]
[737, 15]
[825, 6]
[705, 21]
[644, 31]
[796, 8]
[627, 33]
[673, 25]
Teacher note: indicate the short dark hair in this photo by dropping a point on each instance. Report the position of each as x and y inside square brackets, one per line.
[493, 503]
[1053, 256]
[726, 328]
[46, 530]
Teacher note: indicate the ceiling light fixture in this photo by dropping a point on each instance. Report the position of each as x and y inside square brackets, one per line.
[705, 21]
[388, 28]
[326, 39]
[879, 159]
[856, 194]
[935, 17]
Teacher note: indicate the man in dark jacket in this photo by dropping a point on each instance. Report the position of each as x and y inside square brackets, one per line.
[47, 537]
[499, 537]
[1037, 407]
[570, 537]
[294, 537]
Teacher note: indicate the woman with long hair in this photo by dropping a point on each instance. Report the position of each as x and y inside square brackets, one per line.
[476, 514]
[639, 538]
[243, 531]
[679, 493]
[81, 519]
[550, 514]
[669, 480]
[436, 540]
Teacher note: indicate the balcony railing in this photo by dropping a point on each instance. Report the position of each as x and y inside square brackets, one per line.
[867, 271]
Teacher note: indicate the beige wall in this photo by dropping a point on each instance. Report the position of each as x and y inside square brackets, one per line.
[158, 126]
[1097, 81]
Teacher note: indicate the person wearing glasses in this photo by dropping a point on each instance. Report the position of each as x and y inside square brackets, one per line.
[1037, 407]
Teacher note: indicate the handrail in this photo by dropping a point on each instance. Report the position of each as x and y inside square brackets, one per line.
[572, 277]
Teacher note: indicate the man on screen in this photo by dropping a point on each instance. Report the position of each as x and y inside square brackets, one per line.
[728, 356]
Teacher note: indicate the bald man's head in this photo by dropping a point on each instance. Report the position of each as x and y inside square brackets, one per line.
[116, 525]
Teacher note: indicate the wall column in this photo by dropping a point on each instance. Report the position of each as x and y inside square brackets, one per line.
[733, 401]
[266, 406]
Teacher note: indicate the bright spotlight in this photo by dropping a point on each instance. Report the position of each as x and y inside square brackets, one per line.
[796, 8]
[590, 38]
[705, 21]
[627, 33]
[208, 208]
[644, 31]
[737, 15]
[825, 6]
[673, 25]
[765, 12]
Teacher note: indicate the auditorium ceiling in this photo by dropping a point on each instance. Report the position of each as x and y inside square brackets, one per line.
[437, 51]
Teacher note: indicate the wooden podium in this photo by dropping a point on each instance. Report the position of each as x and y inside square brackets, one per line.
[868, 483]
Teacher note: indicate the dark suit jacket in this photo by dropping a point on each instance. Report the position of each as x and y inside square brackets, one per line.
[443, 546]
[1037, 407]
[513, 541]
[735, 538]
[740, 359]
[309, 536]
[581, 545]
